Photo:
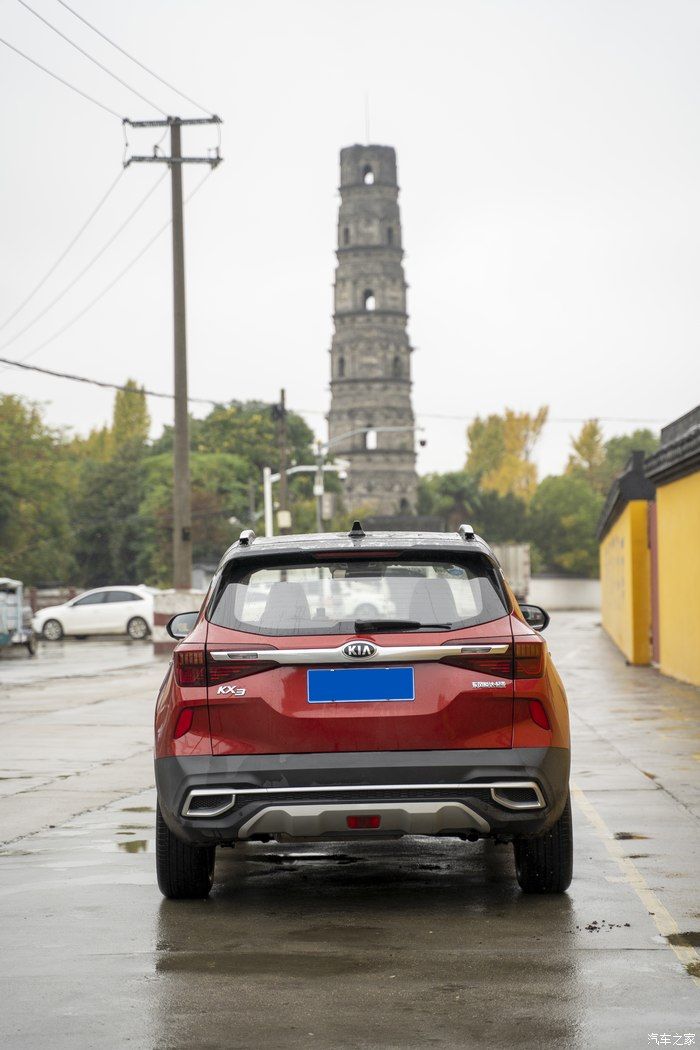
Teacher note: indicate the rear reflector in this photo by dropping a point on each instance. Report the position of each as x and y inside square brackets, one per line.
[538, 714]
[184, 722]
[356, 823]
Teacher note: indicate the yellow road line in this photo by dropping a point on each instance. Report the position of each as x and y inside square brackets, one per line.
[663, 920]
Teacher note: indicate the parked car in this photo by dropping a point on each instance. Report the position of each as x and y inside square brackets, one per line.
[104, 610]
[292, 718]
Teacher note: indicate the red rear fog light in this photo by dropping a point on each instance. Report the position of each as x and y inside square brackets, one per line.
[184, 722]
[357, 822]
[538, 714]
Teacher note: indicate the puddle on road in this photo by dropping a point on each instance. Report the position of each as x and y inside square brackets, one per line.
[134, 846]
[623, 836]
[247, 964]
[332, 932]
[691, 937]
[292, 858]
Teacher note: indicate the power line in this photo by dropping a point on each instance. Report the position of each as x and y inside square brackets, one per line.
[552, 419]
[98, 382]
[89, 57]
[88, 265]
[305, 411]
[64, 253]
[112, 283]
[66, 83]
[135, 60]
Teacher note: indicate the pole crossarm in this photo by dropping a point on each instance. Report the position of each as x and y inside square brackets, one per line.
[167, 121]
[156, 158]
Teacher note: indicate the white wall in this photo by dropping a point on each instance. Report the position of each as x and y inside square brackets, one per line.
[561, 593]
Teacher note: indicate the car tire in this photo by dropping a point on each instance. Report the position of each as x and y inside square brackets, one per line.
[184, 872]
[52, 631]
[137, 628]
[545, 864]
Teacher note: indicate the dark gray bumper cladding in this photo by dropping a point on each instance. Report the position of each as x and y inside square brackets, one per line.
[547, 767]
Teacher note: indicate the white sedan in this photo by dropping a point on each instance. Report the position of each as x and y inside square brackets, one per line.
[104, 610]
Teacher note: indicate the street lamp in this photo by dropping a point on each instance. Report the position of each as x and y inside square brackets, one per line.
[323, 447]
[269, 479]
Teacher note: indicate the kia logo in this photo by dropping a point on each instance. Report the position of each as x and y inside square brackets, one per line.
[359, 650]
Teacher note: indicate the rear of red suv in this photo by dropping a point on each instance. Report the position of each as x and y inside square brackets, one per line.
[361, 686]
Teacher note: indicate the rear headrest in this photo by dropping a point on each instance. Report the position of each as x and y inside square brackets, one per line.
[432, 601]
[286, 606]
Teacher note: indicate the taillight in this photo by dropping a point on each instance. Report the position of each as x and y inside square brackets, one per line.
[190, 668]
[195, 668]
[500, 666]
[228, 670]
[529, 659]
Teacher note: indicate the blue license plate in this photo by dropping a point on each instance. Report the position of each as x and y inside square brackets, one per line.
[355, 685]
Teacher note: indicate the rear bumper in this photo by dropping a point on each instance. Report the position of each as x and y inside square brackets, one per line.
[413, 792]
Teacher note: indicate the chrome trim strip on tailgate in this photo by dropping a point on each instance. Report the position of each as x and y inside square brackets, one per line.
[385, 654]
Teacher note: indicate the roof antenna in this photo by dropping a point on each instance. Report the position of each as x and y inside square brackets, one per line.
[356, 532]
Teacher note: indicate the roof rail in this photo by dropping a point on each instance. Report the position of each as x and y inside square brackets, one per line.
[466, 532]
[356, 532]
[246, 537]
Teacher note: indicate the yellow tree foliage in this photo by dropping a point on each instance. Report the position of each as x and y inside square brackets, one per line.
[130, 421]
[500, 448]
[588, 459]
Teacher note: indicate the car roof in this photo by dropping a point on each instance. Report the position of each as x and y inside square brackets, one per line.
[115, 587]
[343, 541]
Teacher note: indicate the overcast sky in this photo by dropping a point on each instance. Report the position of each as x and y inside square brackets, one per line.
[549, 163]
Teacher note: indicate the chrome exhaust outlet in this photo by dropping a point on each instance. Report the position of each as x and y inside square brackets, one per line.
[518, 795]
[208, 802]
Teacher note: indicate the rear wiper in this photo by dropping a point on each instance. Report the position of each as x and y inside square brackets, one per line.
[399, 625]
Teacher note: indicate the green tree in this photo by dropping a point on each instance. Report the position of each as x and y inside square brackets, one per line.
[246, 429]
[619, 449]
[453, 497]
[564, 513]
[130, 419]
[499, 451]
[108, 525]
[35, 536]
[220, 491]
[456, 498]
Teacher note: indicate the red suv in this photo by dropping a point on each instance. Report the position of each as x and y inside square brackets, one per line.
[361, 686]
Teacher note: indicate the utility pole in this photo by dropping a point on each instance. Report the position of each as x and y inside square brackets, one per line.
[182, 509]
[285, 525]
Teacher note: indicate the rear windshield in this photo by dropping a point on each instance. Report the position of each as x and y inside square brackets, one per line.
[337, 596]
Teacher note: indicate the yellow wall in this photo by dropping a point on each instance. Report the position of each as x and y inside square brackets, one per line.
[625, 583]
[678, 518]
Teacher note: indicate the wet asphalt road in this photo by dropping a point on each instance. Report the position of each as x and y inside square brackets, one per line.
[408, 944]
